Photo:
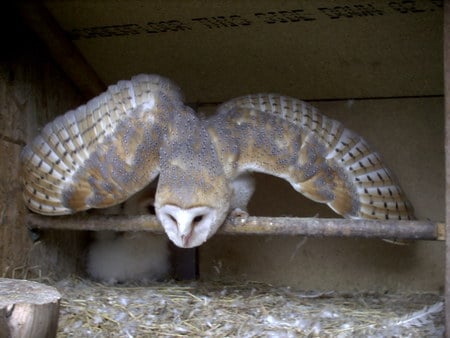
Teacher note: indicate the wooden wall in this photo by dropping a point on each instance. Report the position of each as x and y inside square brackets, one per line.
[32, 91]
[447, 158]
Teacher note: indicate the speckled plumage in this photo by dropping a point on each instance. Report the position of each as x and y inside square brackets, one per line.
[103, 152]
[321, 158]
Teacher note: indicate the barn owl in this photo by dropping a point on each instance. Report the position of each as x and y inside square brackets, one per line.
[108, 149]
[129, 257]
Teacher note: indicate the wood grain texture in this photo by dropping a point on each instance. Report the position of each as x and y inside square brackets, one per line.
[32, 91]
[28, 309]
[447, 156]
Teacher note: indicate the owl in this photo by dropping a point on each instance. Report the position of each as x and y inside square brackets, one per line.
[130, 257]
[103, 152]
[116, 257]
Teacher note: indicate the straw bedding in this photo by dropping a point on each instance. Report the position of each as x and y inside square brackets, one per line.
[212, 309]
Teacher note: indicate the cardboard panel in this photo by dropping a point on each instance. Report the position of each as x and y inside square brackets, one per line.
[216, 50]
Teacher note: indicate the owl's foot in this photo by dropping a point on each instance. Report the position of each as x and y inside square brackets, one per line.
[238, 216]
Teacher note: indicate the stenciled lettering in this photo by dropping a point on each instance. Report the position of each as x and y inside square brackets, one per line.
[166, 26]
[105, 31]
[352, 11]
[222, 21]
[406, 6]
[295, 15]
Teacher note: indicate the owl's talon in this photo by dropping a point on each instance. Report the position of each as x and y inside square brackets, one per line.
[238, 216]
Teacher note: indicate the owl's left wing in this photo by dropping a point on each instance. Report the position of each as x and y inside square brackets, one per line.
[101, 153]
[321, 159]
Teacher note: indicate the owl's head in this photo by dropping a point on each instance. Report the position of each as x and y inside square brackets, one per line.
[190, 209]
[190, 227]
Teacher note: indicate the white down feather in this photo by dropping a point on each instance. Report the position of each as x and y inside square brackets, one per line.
[129, 257]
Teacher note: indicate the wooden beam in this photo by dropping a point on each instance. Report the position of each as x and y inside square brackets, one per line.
[314, 227]
[61, 48]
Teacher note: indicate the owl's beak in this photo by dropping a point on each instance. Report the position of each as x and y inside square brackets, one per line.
[185, 239]
[185, 225]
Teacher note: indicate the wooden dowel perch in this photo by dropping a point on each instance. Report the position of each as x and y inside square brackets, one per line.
[316, 227]
[28, 309]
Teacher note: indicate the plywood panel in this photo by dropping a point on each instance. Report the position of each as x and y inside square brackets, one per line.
[326, 264]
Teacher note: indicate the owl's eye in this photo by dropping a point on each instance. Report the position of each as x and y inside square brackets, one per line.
[151, 209]
[173, 219]
[197, 219]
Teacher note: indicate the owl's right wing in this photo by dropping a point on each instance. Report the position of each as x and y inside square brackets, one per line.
[322, 159]
[101, 153]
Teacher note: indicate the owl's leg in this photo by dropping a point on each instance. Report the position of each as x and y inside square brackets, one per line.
[143, 202]
[243, 188]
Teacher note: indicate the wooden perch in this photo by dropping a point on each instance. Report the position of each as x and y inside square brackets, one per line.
[316, 227]
[28, 309]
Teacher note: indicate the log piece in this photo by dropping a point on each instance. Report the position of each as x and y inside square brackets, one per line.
[28, 309]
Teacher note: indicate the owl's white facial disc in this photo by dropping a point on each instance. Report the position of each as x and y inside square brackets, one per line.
[188, 228]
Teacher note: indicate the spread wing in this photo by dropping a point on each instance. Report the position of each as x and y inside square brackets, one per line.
[323, 160]
[102, 152]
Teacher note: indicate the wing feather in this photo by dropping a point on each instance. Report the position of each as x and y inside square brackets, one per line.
[102, 152]
[322, 159]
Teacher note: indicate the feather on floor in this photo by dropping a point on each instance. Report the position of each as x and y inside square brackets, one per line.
[205, 309]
